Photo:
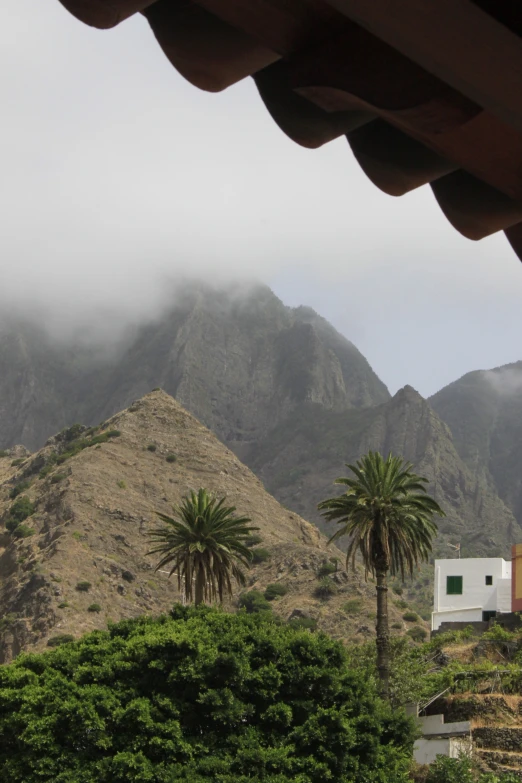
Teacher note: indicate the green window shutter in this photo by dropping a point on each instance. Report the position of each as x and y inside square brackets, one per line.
[454, 585]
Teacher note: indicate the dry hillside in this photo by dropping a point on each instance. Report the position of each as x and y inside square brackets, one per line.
[92, 513]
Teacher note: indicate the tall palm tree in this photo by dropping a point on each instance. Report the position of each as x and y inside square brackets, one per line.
[205, 544]
[386, 514]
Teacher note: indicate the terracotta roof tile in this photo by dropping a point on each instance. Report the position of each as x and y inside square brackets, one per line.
[328, 69]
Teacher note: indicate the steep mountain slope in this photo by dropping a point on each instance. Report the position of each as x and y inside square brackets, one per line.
[299, 461]
[91, 518]
[484, 412]
[237, 358]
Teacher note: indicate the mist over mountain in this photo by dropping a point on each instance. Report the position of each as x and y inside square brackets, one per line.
[293, 398]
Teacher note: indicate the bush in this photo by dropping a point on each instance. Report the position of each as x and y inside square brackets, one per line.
[304, 623]
[199, 697]
[23, 531]
[19, 488]
[353, 606]
[418, 634]
[63, 605]
[151, 447]
[83, 587]
[72, 433]
[112, 434]
[16, 462]
[260, 555]
[253, 540]
[156, 388]
[121, 484]
[20, 510]
[275, 590]
[401, 604]
[254, 601]
[63, 638]
[171, 458]
[3, 453]
[410, 617]
[58, 477]
[326, 568]
[94, 608]
[498, 634]
[326, 588]
[396, 626]
[397, 589]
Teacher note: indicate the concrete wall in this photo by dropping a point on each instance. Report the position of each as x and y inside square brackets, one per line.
[476, 595]
[426, 749]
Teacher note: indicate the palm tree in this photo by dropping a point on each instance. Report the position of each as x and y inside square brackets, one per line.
[387, 516]
[205, 543]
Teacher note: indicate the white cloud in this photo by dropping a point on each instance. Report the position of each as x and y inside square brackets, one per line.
[117, 173]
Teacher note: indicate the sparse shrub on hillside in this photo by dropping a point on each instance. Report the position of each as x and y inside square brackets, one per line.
[326, 568]
[72, 433]
[83, 587]
[275, 590]
[20, 510]
[62, 638]
[396, 626]
[16, 462]
[498, 634]
[156, 388]
[151, 447]
[254, 601]
[260, 555]
[397, 589]
[353, 606]
[253, 540]
[410, 617]
[171, 458]
[7, 620]
[58, 477]
[121, 484]
[3, 453]
[325, 589]
[401, 604]
[418, 634]
[19, 488]
[63, 605]
[23, 531]
[112, 434]
[94, 608]
[303, 623]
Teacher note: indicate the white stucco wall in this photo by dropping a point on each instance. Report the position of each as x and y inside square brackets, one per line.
[425, 750]
[476, 595]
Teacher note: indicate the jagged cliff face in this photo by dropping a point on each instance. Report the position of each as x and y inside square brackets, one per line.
[484, 412]
[300, 461]
[291, 397]
[92, 515]
[239, 360]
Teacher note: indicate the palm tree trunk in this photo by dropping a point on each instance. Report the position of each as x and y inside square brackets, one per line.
[200, 587]
[383, 632]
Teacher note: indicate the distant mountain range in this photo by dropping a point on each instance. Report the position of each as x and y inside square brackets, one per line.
[293, 398]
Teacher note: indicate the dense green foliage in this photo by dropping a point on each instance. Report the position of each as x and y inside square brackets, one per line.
[201, 696]
[204, 545]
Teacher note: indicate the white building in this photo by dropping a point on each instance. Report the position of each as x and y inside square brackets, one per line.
[442, 739]
[470, 590]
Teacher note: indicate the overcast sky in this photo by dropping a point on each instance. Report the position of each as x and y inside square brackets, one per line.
[115, 173]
